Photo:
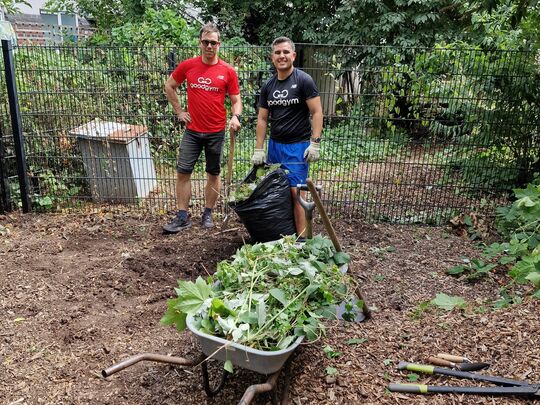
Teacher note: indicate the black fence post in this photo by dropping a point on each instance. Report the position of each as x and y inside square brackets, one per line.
[171, 60]
[5, 198]
[16, 124]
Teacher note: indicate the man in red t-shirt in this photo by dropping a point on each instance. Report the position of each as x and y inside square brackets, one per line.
[208, 79]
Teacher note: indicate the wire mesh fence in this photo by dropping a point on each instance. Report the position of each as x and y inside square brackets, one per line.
[8, 172]
[410, 135]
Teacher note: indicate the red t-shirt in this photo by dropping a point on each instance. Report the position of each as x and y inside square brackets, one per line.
[207, 86]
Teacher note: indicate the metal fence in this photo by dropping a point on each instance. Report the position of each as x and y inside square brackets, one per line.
[410, 135]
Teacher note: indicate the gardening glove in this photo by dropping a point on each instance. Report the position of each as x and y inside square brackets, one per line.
[258, 157]
[312, 153]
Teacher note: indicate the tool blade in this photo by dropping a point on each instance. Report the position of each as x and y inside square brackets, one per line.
[472, 366]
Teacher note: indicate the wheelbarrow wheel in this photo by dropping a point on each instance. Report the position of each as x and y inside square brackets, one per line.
[213, 388]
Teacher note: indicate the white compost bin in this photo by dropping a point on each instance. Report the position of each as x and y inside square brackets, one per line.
[117, 160]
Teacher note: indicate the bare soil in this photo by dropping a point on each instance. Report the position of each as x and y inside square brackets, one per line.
[80, 293]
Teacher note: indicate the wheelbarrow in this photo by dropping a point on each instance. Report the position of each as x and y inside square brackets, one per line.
[270, 363]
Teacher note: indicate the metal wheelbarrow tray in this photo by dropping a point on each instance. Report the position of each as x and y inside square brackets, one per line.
[260, 361]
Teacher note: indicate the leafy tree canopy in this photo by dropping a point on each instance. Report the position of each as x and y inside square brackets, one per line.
[390, 22]
[11, 6]
[114, 13]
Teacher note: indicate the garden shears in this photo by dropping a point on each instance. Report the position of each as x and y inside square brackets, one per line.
[507, 386]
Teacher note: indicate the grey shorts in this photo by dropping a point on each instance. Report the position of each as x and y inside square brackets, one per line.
[191, 147]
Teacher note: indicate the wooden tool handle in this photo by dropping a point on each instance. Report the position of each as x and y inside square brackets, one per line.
[231, 157]
[330, 229]
[452, 358]
[324, 217]
[441, 362]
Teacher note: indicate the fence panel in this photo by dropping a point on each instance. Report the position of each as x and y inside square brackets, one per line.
[411, 135]
[5, 195]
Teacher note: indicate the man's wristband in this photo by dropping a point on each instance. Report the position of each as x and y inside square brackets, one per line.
[316, 139]
[238, 116]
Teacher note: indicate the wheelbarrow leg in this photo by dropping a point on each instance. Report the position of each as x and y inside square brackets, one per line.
[269, 385]
[286, 382]
[212, 391]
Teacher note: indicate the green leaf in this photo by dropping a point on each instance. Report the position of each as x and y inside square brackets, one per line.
[521, 270]
[249, 317]
[218, 308]
[341, 258]
[207, 325]
[507, 259]
[173, 316]
[412, 377]
[534, 277]
[331, 353]
[228, 366]
[279, 295]
[331, 370]
[456, 270]
[356, 341]
[525, 201]
[227, 324]
[448, 302]
[327, 311]
[309, 270]
[286, 342]
[295, 271]
[387, 362]
[192, 295]
[310, 329]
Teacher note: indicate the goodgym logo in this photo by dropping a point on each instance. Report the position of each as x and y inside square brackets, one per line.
[204, 84]
[280, 98]
[280, 94]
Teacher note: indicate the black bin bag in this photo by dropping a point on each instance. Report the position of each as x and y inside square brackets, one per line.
[268, 212]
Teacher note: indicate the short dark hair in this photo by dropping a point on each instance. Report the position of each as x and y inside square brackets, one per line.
[280, 40]
[208, 27]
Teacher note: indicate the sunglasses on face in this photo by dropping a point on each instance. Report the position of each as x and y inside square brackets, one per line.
[206, 42]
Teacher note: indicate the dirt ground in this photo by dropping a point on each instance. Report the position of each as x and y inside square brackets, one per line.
[79, 293]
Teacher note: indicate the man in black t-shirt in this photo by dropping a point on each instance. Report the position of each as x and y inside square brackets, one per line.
[287, 100]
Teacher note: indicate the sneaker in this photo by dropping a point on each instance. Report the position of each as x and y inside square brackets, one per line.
[177, 224]
[206, 220]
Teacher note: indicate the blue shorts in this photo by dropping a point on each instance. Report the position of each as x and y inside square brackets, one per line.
[291, 157]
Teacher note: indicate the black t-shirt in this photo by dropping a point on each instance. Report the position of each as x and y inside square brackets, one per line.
[285, 101]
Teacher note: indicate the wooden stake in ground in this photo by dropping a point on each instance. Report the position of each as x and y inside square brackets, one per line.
[333, 237]
[228, 179]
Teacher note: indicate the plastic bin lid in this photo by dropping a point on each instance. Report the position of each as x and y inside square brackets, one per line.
[109, 131]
